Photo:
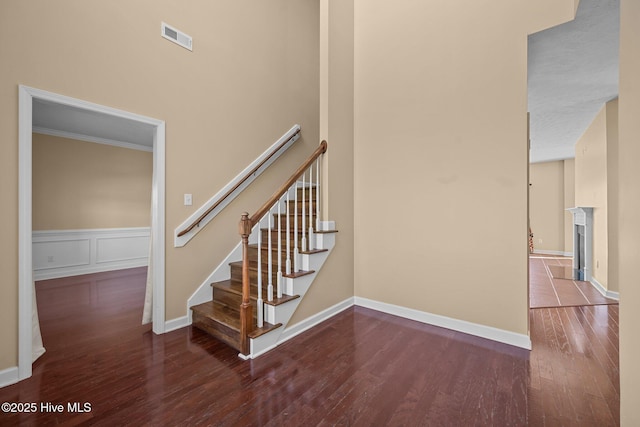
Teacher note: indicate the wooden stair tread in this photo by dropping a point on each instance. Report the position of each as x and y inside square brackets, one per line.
[325, 231]
[300, 273]
[314, 251]
[278, 301]
[267, 327]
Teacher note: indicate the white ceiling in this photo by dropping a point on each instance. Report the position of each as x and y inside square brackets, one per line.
[71, 122]
[573, 72]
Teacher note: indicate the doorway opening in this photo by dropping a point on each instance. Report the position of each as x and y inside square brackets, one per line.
[27, 96]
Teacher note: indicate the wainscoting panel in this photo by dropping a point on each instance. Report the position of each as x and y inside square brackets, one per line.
[113, 249]
[63, 253]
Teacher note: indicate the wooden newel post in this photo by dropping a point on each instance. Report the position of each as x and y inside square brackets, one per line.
[246, 310]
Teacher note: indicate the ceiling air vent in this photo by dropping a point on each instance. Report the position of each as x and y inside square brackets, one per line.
[177, 36]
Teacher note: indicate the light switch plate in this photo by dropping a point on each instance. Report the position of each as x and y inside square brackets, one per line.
[188, 199]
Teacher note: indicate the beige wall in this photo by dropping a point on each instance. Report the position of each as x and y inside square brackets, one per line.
[591, 188]
[613, 191]
[546, 205]
[336, 118]
[629, 199]
[544, 14]
[253, 73]
[441, 157]
[551, 193]
[596, 186]
[79, 185]
[569, 167]
[437, 95]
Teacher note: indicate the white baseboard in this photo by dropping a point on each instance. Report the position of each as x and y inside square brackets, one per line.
[557, 253]
[604, 291]
[65, 253]
[613, 295]
[88, 270]
[9, 376]
[177, 323]
[488, 332]
[308, 323]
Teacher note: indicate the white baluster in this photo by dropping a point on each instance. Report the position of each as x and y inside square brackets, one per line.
[303, 242]
[310, 241]
[279, 277]
[288, 263]
[296, 252]
[259, 302]
[269, 268]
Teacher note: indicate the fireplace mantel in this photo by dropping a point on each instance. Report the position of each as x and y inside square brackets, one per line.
[582, 253]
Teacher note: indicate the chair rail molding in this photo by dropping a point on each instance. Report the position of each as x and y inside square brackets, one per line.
[64, 253]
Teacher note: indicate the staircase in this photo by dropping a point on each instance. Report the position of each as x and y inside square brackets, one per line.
[286, 247]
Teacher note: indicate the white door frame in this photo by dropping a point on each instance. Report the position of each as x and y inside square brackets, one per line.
[25, 273]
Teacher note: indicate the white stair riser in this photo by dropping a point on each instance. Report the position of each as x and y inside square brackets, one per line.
[302, 284]
[325, 241]
[281, 313]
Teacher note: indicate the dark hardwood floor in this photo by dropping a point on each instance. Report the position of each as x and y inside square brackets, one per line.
[574, 366]
[359, 368]
[550, 284]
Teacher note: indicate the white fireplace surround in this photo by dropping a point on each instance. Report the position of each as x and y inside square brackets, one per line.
[583, 216]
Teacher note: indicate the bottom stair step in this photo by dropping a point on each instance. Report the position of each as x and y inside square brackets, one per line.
[219, 321]
[267, 327]
[223, 323]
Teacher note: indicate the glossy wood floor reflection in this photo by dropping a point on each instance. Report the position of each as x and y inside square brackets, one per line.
[360, 368]
[549, 288]
[574, 369]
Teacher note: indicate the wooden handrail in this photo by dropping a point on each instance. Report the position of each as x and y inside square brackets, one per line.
[256, 217]
[246, 225]
[198, 220]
